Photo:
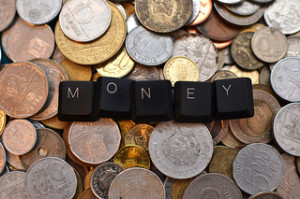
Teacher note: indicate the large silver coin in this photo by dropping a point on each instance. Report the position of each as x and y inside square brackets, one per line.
[230, 1]
[244, 8]
[284, 15]
[286, 128]
[136, 183]
[258, 167]
[180, 150]
[211, 186]
[38, 12]
[85, 20]
[148, 48]
[50, 178]
[12, 185]
[285, 78]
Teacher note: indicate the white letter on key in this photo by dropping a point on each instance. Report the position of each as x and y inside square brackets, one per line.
[227, 90]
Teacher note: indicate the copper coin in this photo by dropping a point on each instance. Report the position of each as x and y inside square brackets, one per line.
[76, 72]
[19, 136]
[7, 13]
[14, 161]
[221, 45]
[2, 158]
[218, 130]
[24, 89]
[57, 56]
[23, 42]
[205, 10]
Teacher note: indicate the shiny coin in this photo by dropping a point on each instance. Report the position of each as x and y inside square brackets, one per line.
[25, 87]
[244, 8]
[143, 73]
[180, 150]
[8, 11]
[286, 128]
[175, 188]
[148, 48]
[76, 72]
[205, 10]
[12, 185]
[102, 178]
[101, 140]
[19, 136]
[2, 158]
[293, 47]
[230, 1]
[124, 126]
[139, 135]
[136, 183]
[2, 121]
[85, 20]
[58, 175]
[258, 167]
[266, 195]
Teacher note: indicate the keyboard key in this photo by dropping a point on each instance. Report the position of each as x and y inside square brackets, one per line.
[193, 102]
[76, 101]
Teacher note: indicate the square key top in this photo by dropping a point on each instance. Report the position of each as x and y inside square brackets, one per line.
[113, 98]
[76, 101]
[193, 102]
[234, 98]
[152, 101]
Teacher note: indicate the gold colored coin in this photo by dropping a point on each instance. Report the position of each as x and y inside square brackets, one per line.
[55, 123]
[253, 75]
[76, 72]
[231, 141]
[124, 126]
[263, 87]
[179, 187]
[2, 121]
[119, 66]
[180, 68]
[79, 189]
[139, 135]
[223, 74]
[96, 51]
[87, 179]
[132, 156]
[219, 148]
[88, 194]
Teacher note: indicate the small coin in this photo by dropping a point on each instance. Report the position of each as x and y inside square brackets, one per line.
[243, 8]
[8, 11]
[14, 161]
[266, 195]
[55, 123]
[59, 176]
[76, 72]
[264, 76]
[139, 135]
[223, 74]
[143, 73]
[25, 87]
[2, 158]
[136, 183]
[12, 185]
[231, 141]
[196, 11]
[258, 167]
[205, 10]
[293, 47]
[253, 75]
[85, 20]
[218, 130]
[102, 178]
[175, 188]
[230, 1]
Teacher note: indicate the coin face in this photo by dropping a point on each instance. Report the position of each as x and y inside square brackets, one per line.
[8, 11]
[258, 167]
[136, 183]
[59, 176]
[85, 20]
[266, 195]
[143, 73]
[139, 135]
[12, 185]
[180, 150]
[244, 8]
[164, 16]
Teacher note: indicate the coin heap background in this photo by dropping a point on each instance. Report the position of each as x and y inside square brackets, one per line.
[239, 51]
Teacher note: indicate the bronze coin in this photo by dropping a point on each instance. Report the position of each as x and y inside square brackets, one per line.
[2, 158]
[205, 10]
[7, 13]
[143, 73]
[139, 135]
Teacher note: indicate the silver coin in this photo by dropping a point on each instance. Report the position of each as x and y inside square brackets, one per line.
[168, 184]
[286, 128]
[200, 50]
[132, 22]
[38, 12]
[2, 158]
[230, 1]
[102, 177]
[148, 48]
[284, 15]
[293, 47]
[37, 124]
[50, 178]
[85, 20]
[196, 10]
[244, 8]
[285, 79]
[12, 185]
[180, 150]
[258, 167]
[136, 183]
[212, 185]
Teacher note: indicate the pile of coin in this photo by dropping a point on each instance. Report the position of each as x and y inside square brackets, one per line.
[177, 40]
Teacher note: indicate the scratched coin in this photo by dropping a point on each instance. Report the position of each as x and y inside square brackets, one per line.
[148, 48]
[143, 73]
[139, 135]
[258, 167]
[85, 20]
[266, 195]
[19, 136]
[2, 158]
[7, 13]
[135, 183]
[180, 150]
[244, 8]
[12, 185]
[59, 176]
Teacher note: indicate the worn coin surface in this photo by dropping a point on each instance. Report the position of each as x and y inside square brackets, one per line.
[136, 183]
[266, 195]
[139, 135]
[244, 8]
[85, 20]
[258, 167]
[143, 73]
[12, 185]
[293, 47]
[2, 158]
[7, 13]
[180, 150]
[231, 141]
[50, 178]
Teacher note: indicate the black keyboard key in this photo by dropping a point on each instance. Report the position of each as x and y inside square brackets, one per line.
[76, 101]
[113, 98]
[152, 101]
[234, 98]
[193, 102]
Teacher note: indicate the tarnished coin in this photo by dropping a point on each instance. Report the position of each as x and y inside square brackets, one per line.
[50, 178]
[285, 79]
[212, 185]
[102, 178]
[164, 16]
[175, 188]
[205, 10]
[244, 8]
[266, 195]
[180, 150]
[284, 16]
[12, 185]
[77, 72]
[218, 130]
[139, 135]
[143, 73]
[253, 75]
[25, 89]
[201, 51]
[148, 48]
[85, 20]
[19, 136]
[136, 183]
[94, 142]
[196, 11]
[181, 68]
[223, 74]
[286, 126]
[293, 47]
[132, 22]
[2, 158]
[258, 167]
[230, 1]
[8, 11]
